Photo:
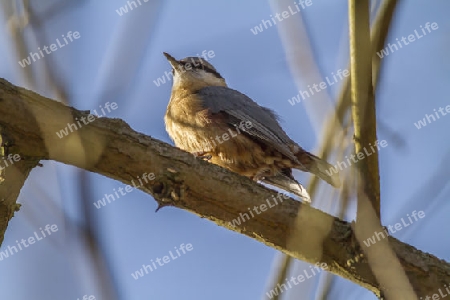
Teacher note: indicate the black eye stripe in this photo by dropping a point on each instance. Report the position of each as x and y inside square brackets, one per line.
[200, 66]
[209, 70]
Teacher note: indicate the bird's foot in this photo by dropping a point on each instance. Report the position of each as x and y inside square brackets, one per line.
[202, 155]
[261, 174]
[356, 255]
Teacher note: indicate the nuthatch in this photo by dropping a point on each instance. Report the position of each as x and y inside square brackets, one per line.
[207, 118]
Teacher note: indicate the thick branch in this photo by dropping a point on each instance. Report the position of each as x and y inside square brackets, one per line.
[111, 148]
[12, 179]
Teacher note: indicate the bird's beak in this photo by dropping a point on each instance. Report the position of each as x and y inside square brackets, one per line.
[173, 62]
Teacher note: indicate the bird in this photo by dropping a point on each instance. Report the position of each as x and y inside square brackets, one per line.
[225, 127]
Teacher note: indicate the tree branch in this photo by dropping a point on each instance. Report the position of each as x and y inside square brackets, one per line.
[111, 148]
[362, 98]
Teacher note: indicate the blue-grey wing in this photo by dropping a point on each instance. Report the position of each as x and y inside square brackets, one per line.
[238, 107]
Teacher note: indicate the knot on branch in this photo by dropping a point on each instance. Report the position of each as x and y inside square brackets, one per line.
[169, 189]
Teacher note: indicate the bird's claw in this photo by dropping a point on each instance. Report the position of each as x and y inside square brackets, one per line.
[202, 155]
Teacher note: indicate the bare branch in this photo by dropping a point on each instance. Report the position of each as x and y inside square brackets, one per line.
[111, 148]
[363, 103]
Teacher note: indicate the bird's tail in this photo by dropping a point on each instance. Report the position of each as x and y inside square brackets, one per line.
[288, 184]
[319, 167]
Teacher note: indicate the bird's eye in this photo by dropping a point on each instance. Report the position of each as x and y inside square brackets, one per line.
[189, 66]
[173, 71]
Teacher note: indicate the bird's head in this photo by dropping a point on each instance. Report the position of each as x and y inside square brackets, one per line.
[194, 72]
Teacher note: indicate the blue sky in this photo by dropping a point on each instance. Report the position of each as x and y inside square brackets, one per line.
[117, 58]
